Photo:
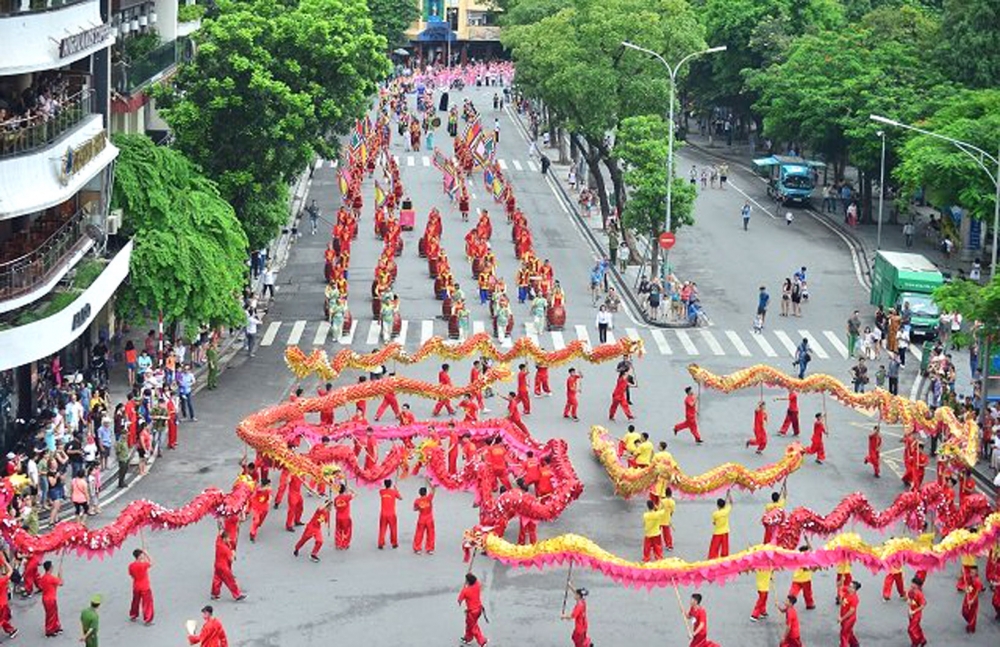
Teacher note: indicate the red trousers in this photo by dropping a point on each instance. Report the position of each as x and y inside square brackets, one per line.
[5, 619]
[444, 404]
[806, 588]
[525, 400]
[818, 449]
[282, 486]
[342, 531]
[30, 578]
[996, 601]
[769, 534]
[256, 521]
[915, 631]
[668, 537]
[890, 579]
[571, 408]
[581, 640]
[652, 547]
[425, 529]
[960, 584]
[142, 600]
[314, 533]
[971, 613]
[542, 384]
[617, 402]
[847, 637]
[171, 434]
[791, 420]
[873, 460]
[387, 403]
[528, 533]
[760, 608]
[294, 516]
[790, 642]
[690, 424]
[52, 625]
[386, 522]
[719, 546]
[472, 630]
[224, 575]
[759, 440]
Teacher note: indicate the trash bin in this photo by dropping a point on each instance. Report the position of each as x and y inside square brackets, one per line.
[925, 356]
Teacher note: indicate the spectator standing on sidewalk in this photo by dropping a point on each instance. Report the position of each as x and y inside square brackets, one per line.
[613, 244]
[853, 331]
[185, 385]
[124, 456]
[251, 331]
[745, 212]
[268, 282]
[908, 234]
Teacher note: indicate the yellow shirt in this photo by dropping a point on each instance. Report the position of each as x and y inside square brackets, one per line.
[720, 520]
[802, 575]
[844, 569]
[926, 540]
[968, 560]
[660, 487]
[630, 440]
[651, 522]
[776, 505]
[667, 507]
[764, 580]
[644, 453]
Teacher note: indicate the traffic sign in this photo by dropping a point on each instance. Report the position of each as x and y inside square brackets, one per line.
[667, 239]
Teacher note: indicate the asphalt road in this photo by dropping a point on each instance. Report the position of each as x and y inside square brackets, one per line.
[383, 598]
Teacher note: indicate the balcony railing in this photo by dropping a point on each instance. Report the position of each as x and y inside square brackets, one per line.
[484, 32]
[21, 7]
[134, 75]
[21, 275]
[26, 134]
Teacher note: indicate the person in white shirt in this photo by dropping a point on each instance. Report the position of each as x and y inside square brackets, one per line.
[605, 322]
[268, 282]
[252, 322]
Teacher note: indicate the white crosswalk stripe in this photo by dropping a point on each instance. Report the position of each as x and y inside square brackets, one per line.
[686, 342]
[529, 331]
[373, 331]
[661, 342]
[478, 327]
[426, 160]
[712, 342]
[532, 166]
[347, 339]
[582, 335]
[426, 330]
[611, 338]
[404, 326]
[297, 328]
[322, 330]
[558, 342]
[837, 344]
[764, 345]
[786, 341]
[735, 340]
[816, 348]
[503, 164]
[270, 333]
[410, 161]
[632, 334]
[517, 165]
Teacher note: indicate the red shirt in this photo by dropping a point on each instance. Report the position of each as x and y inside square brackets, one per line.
[4, 583]
[792, 622]
[498, 457]
[971, 597]
[261, 499]
[406, 417]
[874, 444]
[793, 401]
[522, 381]
[571, 385]
[295, 488]
[470, 594]
[48, 584]
[471, 410]
[139, 570]
[424, 505]
[580, 618]
[474, 375]
[444, 378]
[389, 496]
[531, 470]
[342, 503]
[916, 599]
[818, 430]
[690, 407]
[543, 485]
[700, 620]
[212, 635]
[849, 607]
[620, 387]
[223, 553]
[319, 517]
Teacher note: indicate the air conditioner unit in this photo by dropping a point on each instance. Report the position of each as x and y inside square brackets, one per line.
[113, 222]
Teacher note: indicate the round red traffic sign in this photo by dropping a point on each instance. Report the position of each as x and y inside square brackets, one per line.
[667, 239]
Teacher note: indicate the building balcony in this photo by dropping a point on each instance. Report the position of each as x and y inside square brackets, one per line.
[128, 78]
[51, 326]
[29, 134]
[483, 32]
[49, 34]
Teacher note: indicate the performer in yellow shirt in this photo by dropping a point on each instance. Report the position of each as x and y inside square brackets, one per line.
[652, 544]
[844, 579]
[720, 528]
[777, 503]
[764, 577]
[644, 451]
[802, 581]
[628, 443]
[667, 506]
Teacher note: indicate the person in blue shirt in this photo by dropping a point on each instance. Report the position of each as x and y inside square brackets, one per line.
[597, 275]
[802, 357]
[763, 298]
[105, 440]
[185, 384]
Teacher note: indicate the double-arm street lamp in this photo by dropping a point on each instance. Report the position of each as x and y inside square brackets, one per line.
[672, 73]
[981, 158]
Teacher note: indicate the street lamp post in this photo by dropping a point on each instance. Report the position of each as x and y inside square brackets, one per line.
[881, 192]
[672, 75]
[980, 157]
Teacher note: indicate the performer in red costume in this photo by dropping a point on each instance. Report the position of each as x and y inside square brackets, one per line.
[260, 504]
[791, 414]
[471, 408]
[142, 591]
[699, 624]
[344, 526]
[444, 380]
[387, 520]
[579, 617]
[522, 388]
[314, 531]
[916, 602]
[874, 449]
[572, 394]
[759, 439]
[513, 414]
[970, 600]
[223, 569]
[542, 381]
[619, 398]
[849, 615]
[471, 595]
[816, 446]
[423, 505]
[690, 415]
[49, 584]
[295, 504]
[212, 633]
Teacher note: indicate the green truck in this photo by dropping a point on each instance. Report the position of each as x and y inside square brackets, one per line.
[900, 278]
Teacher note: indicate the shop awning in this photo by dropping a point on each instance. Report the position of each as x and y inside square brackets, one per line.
[437, 31]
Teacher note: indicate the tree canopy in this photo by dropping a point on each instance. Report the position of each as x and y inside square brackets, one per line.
[189, 254]
[970, 48]
[390, 18]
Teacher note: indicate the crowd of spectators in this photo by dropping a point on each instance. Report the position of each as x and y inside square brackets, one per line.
[37, 104]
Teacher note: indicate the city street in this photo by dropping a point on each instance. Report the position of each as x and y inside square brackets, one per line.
[365, 596]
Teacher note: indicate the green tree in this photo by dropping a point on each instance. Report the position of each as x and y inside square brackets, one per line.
[970, 48]
[642, 147]
[189, 255]
[390, 18]
[950, 176]
[273, 83]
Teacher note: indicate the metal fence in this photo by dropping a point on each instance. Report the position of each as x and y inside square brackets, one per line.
[20, 275]
[26, 134]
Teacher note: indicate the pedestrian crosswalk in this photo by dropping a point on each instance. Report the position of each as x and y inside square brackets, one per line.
[684, 342]
[420, 159]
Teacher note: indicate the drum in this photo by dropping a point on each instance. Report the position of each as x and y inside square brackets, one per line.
[376, 307]
[397, 324]
[438, 286]
[348, 321]
[453, 327]
[422, 247]
[432, 267]
[374, 289]
[477, 267]
[399, 246]
[446, 309]
[556, 316]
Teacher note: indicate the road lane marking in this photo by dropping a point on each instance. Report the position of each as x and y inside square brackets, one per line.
[410, 161]
[741, 348]
[686, 342]
[661, 342]
[837, 344]
[373, 331]
[764, 345]
[632, 334]
[349, 337]
[321, 332]
[813, 345]
[713, 343]
[532, 166]
[503, 165]
[426, 331]
[517, 165]
[478, 327]
[558, 342]
[530, 332]
[786, 341]
[611, 338]
[426, 160]
[404, 326]
[297, 328]
[270, 333]
[583, 335]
